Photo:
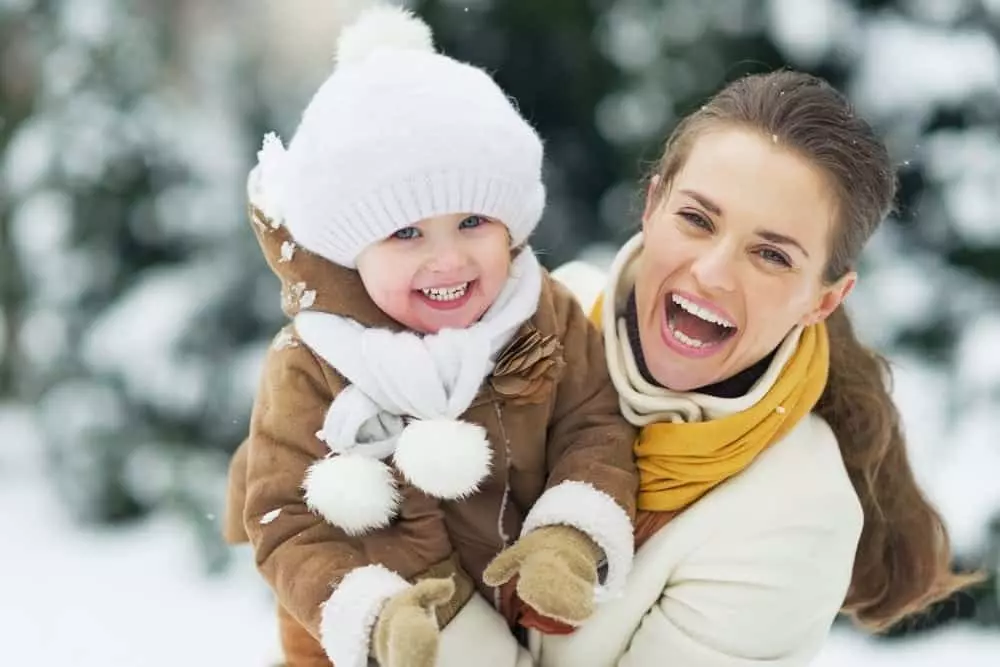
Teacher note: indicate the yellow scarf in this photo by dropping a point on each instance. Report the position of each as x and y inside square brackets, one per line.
[679, 462]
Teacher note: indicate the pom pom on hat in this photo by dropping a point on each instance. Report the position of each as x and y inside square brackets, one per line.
[383, 27]
[444, 458]
[354, 493]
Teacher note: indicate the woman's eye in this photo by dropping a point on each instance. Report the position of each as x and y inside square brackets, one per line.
[774, 257]
[472, 222]
[406, 233]
[697, 220]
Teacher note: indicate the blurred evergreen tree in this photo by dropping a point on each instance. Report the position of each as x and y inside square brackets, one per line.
[16, 83]
[137, 314]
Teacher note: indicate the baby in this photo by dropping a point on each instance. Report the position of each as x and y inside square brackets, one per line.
[438, 402]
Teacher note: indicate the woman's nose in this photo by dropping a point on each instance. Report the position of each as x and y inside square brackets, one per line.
[715, 268]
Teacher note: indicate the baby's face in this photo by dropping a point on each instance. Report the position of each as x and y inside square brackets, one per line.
[440, 273]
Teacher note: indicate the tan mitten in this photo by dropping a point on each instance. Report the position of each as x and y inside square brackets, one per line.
[556, 568]
[406, 633]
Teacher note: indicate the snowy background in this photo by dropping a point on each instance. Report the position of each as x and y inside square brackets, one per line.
[134, 305]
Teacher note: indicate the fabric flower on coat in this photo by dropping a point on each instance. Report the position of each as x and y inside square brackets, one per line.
[526, 366]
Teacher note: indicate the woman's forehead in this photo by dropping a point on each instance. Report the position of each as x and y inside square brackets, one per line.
[747, 178]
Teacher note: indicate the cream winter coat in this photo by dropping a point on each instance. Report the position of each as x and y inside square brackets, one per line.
[752, 574]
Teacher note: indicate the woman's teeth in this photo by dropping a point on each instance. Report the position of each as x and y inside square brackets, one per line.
[445, 293]
[702, 313]
[687, 340]
[713, 329]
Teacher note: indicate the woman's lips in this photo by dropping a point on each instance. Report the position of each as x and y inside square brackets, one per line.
[684, 343]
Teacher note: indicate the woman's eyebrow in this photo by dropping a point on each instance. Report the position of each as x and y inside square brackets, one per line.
[781, 239]
[704, 201]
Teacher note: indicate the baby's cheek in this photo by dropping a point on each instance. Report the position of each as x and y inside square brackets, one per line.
[391, 301]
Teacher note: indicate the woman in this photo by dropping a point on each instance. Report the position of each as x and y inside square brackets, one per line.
[729, 347]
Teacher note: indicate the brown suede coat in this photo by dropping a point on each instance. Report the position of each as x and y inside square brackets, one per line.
[549, 407]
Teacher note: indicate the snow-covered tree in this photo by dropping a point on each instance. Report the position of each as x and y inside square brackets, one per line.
[139, 309]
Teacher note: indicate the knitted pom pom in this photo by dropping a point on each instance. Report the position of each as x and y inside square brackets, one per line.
[355, 493]
[383, 27]
[444, 458]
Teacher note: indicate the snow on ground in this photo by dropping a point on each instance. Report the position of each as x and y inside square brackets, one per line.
[114, 598]
[121, 598]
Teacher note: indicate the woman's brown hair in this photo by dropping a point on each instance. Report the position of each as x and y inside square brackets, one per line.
[903, 559]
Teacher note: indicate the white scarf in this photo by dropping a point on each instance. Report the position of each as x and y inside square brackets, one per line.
[394, 375]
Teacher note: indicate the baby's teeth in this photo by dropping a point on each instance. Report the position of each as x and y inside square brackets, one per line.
[446, 293]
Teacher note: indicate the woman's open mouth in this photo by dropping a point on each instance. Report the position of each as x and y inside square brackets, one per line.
[693, 329]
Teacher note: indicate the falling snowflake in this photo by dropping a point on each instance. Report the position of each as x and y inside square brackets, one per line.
[780, 409]
[308, 299]
[287, 251]
[270, 516]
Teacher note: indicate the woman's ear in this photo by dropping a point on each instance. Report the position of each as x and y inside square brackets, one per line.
[830, 298]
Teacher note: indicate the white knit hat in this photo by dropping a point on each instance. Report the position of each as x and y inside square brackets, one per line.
[396, 134]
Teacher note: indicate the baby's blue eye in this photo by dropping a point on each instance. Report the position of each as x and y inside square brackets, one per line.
[472, 222]
[406, 233]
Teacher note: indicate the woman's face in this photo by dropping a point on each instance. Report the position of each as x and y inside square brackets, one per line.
[733, 258]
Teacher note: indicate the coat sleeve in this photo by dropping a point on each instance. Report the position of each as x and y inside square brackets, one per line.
[751, 575]
[592, 477]
[762, 592]
[332, 583]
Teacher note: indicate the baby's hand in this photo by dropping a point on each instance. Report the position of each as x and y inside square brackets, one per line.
[407, 634]
[557, 572]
